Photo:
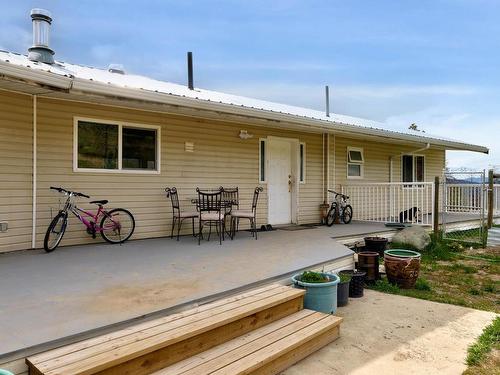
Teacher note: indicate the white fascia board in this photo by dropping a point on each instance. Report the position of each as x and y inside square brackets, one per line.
[38, 76]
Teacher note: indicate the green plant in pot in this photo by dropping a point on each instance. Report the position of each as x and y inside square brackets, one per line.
[321, 290]
[343, 289]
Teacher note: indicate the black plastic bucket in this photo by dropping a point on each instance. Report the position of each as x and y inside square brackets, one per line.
[343, 293]
[357, 283]
[377, 244]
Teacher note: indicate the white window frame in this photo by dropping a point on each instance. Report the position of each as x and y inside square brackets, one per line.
[120, 125]
[360, 163]
[262, 140]
[414, 167]
[303, 161]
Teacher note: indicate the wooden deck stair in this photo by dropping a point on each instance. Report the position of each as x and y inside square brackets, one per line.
[262, 331]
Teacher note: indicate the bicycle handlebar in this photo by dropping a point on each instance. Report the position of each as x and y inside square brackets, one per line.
[337, 194]
[74, 193]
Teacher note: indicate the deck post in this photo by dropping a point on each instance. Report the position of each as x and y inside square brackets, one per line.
[490, 198]
[436, 206]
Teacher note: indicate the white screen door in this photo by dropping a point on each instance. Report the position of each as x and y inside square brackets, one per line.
[279, 181]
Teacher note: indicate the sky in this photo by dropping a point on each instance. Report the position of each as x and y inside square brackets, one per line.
[435, 63]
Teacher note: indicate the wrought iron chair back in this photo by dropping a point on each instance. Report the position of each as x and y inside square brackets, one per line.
[256, 193]
[209, 201]
[174, 197]
[232, 198]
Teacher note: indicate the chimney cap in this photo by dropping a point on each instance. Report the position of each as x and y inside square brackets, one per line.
[41, 13]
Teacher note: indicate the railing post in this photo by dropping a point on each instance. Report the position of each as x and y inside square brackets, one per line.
[490, 198]
[435, 215]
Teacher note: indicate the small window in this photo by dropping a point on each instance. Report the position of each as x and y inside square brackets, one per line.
[302, 161]
[413, 168]
[355, 161]
[116, 147]
[262, 161]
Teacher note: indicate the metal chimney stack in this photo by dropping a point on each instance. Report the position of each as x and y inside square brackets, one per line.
[327, 98]
[40, 50]
[190, 70]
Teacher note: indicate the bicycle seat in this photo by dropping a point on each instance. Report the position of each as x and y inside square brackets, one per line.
[104, 201]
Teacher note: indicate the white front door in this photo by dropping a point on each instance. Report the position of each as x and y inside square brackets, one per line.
[279, 181]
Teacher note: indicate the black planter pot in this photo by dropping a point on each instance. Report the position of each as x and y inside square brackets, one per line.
[357, 283]
[342, 293]
[377, 244]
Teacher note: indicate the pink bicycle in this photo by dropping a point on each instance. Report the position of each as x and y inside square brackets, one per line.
[116, 225]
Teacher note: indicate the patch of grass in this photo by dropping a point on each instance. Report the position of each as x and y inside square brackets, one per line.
[385, 286]
[489, 340]
[460, 267]
[489, 288]
[422, 284]
[475, 291]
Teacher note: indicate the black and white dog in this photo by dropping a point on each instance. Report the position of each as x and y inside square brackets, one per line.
[410, 215]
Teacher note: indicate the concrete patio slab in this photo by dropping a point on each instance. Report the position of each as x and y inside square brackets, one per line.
[390, 334]
[44, 297]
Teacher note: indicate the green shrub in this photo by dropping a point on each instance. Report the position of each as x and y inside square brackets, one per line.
[344, 278]
[384, 285]
[313, 277]
[422, 284]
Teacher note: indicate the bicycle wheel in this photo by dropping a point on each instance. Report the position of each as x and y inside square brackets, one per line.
[347, 214]
[332, 215]
[55, 231]
[117, 226]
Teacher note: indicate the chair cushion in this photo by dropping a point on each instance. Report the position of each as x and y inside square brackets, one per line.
[242, 213]
[187, 214]
[206, 216]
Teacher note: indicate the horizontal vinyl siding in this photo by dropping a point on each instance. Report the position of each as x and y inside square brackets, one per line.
[220, 157]
[377, 164]
[16, 158]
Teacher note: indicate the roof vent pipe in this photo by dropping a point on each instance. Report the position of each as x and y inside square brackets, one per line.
[190, 70]
[327, 97]
[40, 50]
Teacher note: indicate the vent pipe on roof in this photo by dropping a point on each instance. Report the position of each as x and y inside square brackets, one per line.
[327, 97]
[40, 50]
[116, 68]
[190, 70]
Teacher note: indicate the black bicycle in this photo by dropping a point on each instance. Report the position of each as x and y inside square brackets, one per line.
[340, 208]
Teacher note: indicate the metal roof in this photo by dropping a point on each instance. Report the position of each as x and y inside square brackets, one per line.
[101, 81]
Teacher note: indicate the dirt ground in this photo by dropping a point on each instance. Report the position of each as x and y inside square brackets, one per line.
[391, 334]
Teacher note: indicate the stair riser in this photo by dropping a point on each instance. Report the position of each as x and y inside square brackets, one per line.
[297, 354]
[174, 353]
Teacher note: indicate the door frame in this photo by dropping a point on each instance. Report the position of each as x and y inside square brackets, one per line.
[295, 164]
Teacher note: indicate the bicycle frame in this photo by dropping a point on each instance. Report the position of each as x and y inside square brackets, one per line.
[79, 214]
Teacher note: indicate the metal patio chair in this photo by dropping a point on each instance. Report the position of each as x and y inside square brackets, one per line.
[210, 211]
[251, 215]
[178, 216]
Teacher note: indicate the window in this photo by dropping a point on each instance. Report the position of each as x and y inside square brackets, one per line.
[302, 163]
[102, 146]
[355, 161]
[413, 168]
[262, 160]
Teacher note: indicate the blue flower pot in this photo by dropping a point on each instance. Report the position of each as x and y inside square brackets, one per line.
[319, 296]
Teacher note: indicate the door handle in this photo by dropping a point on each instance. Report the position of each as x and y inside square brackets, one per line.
[289, 183]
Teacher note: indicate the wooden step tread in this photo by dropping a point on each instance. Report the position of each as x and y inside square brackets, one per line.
[253, 351]
[103, 352]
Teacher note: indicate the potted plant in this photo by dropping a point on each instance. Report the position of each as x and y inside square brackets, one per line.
[321, 290]
[343, 289]
[357, 283]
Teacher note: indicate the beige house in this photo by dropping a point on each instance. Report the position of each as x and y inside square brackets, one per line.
[123, 137]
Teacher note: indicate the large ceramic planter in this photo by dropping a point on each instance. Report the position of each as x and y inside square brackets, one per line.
[343, 293]
[402, 267]
[319, 296]
[357, 283]
[377, 244]
[368, 262]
